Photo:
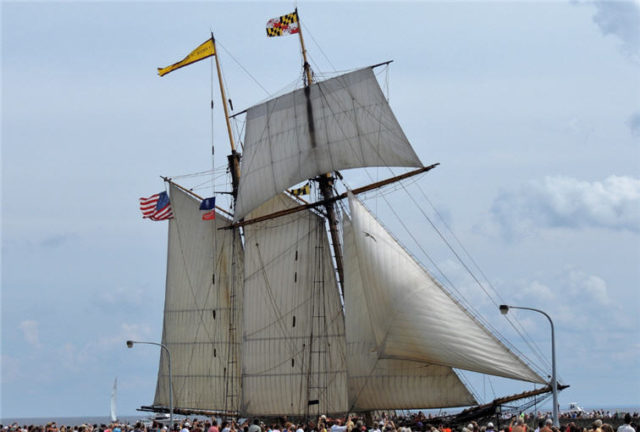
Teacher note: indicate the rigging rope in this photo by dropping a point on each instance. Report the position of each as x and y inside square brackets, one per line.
[242, 67]
[525, 337]
[466, 306]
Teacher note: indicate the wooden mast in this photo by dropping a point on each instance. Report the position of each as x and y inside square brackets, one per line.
[324, 181]
[234, 157]
[231, 395]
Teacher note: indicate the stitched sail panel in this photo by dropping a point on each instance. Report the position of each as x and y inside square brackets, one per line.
[377, 383]
[422, 322]
[197, 310]
[344, 122]
[294, 349]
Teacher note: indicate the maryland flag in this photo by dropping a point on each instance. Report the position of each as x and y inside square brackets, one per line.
[286, 24]
[304, 190]
[206, 49]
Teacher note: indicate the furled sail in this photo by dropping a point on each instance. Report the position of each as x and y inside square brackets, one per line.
[416, 319]
[376, 383]
[293, 345]
[344, 122]
[198, 310]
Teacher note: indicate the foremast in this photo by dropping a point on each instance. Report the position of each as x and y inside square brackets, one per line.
[233, 383]
[234, 157]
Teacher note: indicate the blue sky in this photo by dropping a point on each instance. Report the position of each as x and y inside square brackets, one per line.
[533, 110]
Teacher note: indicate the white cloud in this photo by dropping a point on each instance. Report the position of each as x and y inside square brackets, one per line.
[620, 19]
[30, 331]
[73, 356]
[590, 286]
[539, 291]
[566, 202]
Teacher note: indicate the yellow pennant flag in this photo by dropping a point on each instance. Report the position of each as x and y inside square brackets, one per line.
[206, 49]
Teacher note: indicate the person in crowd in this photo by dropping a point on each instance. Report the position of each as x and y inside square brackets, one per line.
[626, 427]
[596, 426]
[255, 426]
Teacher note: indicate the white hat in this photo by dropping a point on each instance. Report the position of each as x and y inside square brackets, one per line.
[489, 425]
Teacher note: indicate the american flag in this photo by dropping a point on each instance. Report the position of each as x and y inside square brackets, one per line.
[157, 207]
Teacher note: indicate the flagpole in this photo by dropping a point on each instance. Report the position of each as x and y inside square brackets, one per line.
[307, 68]
[234, 158]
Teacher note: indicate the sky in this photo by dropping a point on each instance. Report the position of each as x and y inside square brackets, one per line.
[531, 108]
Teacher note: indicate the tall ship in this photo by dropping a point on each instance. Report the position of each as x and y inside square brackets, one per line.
[297, 301]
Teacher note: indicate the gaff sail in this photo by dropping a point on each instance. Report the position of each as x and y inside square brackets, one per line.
[198, 308]
[294, 344]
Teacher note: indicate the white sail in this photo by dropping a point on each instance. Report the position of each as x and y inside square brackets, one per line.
[376, 383]
[415, 318]
[114, 401]
[198, 310]
[293, 345]
[353, 126]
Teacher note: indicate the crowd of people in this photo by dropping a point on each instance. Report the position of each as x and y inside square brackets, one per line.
[532, 422]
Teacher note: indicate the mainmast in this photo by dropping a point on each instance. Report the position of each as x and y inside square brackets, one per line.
[324, 181]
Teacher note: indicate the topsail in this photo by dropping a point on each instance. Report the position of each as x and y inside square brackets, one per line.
[344, 122]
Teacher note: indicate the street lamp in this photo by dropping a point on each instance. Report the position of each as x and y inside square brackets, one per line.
[130, 344]
[504, 309]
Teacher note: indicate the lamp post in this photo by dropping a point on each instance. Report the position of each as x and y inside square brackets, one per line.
[504, 309]
[130, 344]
